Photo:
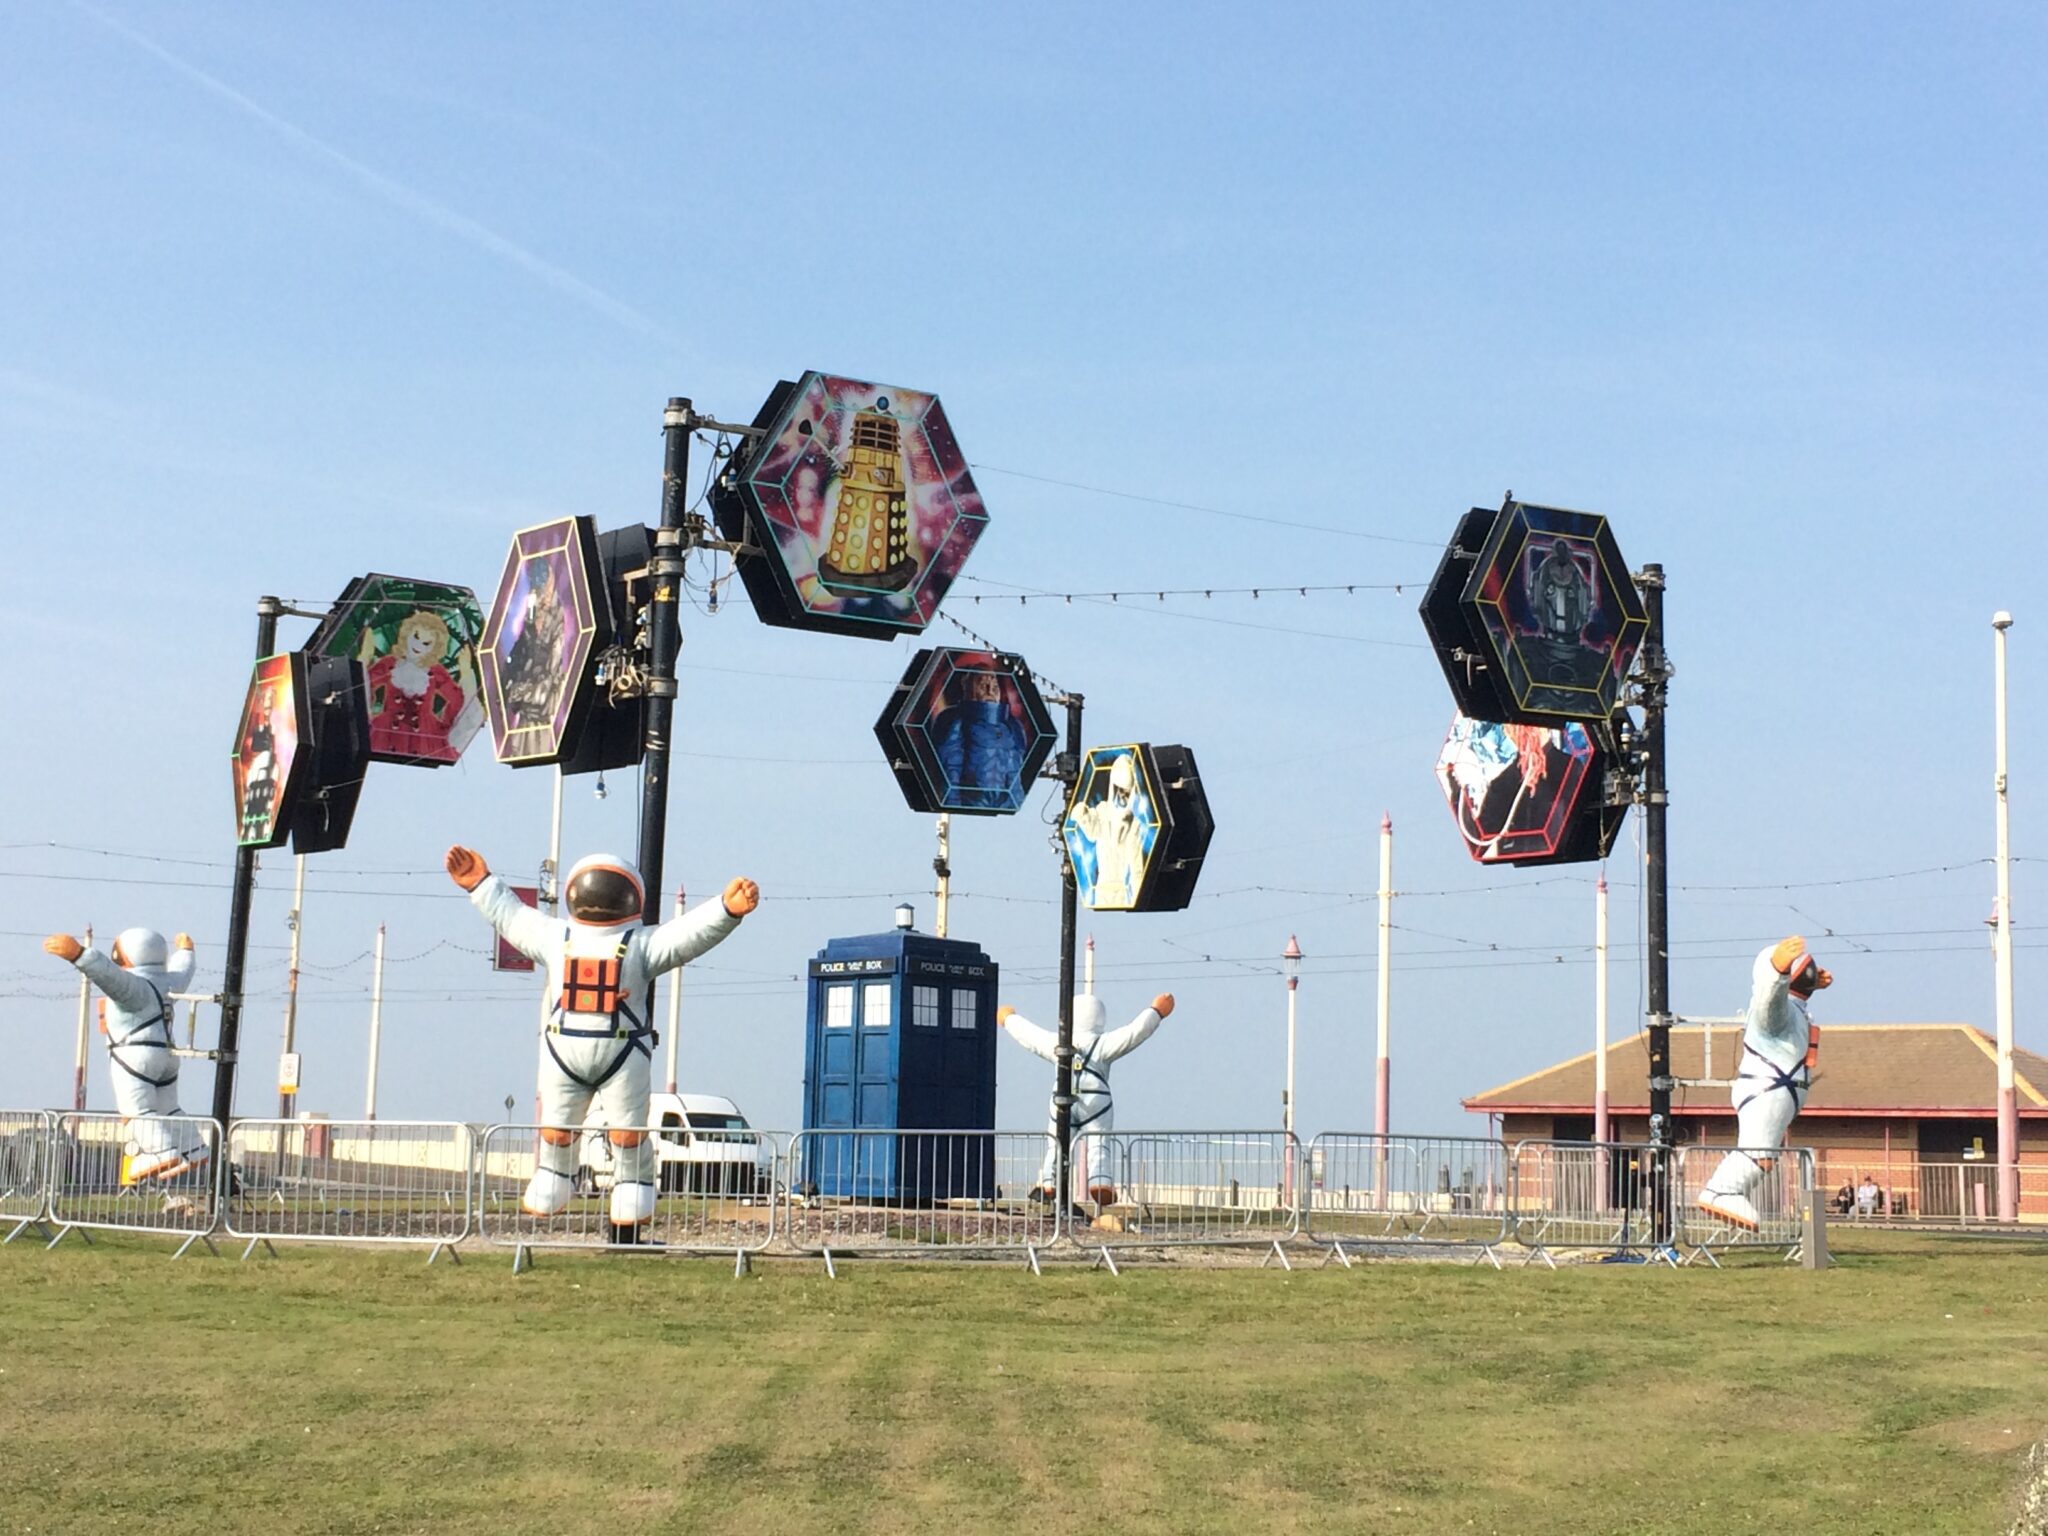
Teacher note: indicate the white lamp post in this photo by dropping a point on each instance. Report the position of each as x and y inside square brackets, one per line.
[2008, 1104]
[1290, 957]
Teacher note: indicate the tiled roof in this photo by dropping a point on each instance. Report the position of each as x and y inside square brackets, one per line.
[1864, 1068]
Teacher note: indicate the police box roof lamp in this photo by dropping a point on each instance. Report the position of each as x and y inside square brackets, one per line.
[906, 916]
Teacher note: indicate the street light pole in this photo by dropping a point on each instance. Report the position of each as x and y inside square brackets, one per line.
[2008, 1103]
[1290, 957]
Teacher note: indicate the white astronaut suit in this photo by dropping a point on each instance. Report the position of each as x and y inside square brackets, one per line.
[1094, 1112]
[597, 1047]
[1779, 1046]
[138, 980]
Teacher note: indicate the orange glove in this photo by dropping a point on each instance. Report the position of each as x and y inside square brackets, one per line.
[1003, 1016]
[63, 946]
[741, 897]
[1787, 951]
[184, 941]
[1163, 1004]
[466, 867]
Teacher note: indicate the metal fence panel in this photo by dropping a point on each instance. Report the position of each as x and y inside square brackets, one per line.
[716, 1193]
[1578, 1194]
[1191, 1189]
[90, 1186]
[1360, 1189]
[1960, 1195]
[24, 1169]
[1780, 1197]
[354, 1181]
[958, 1193]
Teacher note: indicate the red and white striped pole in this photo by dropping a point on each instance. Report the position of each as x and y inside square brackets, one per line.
[84, 1035]
[1383, 1065]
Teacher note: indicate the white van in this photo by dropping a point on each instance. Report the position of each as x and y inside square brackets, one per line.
[702, 1144]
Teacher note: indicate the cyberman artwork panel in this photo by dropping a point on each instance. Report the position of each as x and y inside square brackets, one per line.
[966, 731]
[536, 644]
[861, 502]
[417, 641]
[1554, 605]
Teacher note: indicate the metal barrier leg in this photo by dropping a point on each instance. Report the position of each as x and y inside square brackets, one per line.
[253, 1242]
[447, 1248]
[1276, 1252]
[197, 1237]
[522, 1258]
[22, 1226]
[741, 1264]
[1031, 1258]
[1336, 1252]
[62, 1229]
[830, 1272]
[1486, 1252]
[1102, 1258]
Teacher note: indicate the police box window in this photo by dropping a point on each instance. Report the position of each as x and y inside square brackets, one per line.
[874, 1008]
[838, 1007]
[966, 1008]
[924, 1007]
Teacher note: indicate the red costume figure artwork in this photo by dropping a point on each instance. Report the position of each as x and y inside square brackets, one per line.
[414, 699]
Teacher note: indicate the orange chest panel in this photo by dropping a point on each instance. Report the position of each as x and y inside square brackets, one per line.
[592, 984]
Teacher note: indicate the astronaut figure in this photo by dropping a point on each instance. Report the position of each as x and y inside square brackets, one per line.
[597, 1045]
[1094, 1113]
[1780, 1044]
[138, 981]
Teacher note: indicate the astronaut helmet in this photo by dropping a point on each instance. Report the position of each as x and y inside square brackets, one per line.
[604, 891]
[1123, 783]
[141, 949]
[1089, 1015]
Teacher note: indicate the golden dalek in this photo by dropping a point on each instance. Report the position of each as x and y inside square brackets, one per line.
[869, 548]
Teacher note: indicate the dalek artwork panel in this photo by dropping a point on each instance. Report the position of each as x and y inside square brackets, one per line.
[861, 503]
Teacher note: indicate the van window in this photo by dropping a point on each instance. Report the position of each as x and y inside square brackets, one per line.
[671, 1121]
[839, 1007]
[706, 1120]
[924, 1007]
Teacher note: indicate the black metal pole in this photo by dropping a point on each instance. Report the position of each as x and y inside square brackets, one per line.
[267, 611]
[1656, 676]
[1063, 1054]
[666, 571]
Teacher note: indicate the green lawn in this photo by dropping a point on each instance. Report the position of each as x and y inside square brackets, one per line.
[345, 1391]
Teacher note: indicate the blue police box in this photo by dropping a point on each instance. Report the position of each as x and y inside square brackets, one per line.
[900, 1037]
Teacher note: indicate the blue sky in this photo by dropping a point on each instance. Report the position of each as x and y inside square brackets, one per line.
[295, 293]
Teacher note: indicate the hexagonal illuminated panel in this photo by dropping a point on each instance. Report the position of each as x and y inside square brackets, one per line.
[1527, 794]
[1551, 600]
[265, 758]
[537, 641]
[966, 732]
[417, 641]
[860, 502]
[1137, 828]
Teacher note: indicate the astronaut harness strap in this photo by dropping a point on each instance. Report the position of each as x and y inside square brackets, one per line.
[1089, 1078]
[1780, 1076]
[166, 1016]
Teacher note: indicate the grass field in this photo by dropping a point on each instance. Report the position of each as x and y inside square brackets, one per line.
[331, 1391]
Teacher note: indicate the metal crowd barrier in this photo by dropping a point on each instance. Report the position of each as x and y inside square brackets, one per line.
[1908, 1195]
[1362, 1190]
[1173, 1189]
[959, 1194]
[350, 1181]
[91, 1186]
[1780, 1197]
[1577, 1194]
[24, 1172]
[716, 1192]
